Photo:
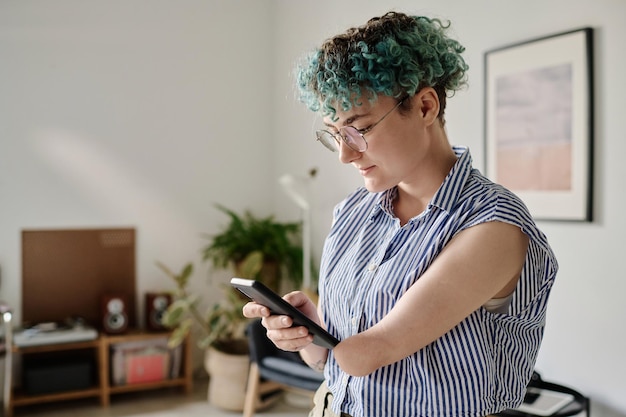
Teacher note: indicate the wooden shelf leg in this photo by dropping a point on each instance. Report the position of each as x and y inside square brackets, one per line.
[103, 353]
[188, 366]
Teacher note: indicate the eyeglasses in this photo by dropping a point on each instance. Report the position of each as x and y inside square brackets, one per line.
[353, 137]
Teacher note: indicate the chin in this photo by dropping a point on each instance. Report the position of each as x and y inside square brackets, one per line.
[376, 188]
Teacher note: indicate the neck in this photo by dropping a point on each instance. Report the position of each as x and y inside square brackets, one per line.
[415, 194]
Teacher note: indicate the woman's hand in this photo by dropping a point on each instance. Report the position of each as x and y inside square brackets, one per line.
[285, 337]
[279, 327]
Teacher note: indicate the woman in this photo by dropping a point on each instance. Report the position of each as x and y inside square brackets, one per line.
[434, 278]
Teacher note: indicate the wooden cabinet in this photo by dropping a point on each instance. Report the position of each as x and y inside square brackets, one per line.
[103, 387]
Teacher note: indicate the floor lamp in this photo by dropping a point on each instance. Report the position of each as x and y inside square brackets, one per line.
[297, 188]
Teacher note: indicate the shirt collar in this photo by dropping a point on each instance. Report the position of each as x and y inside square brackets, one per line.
[446, 196]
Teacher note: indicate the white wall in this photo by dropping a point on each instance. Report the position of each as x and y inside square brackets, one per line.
[585, 340]
[139, 114]
[145, 113]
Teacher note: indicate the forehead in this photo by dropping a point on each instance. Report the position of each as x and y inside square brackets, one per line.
[342, 117]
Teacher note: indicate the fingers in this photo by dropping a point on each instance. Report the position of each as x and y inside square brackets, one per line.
[297, 298]
[253, 310]
[288, 338]
[270, 322]
[303, 303]
[284, 336]
[279, 327]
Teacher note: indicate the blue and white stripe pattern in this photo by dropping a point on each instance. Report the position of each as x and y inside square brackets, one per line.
[482, 365]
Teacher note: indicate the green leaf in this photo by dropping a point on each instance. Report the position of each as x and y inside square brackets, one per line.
[167, 271]
[175, 313]
[180, 333]
[183, 278]
[251, 265]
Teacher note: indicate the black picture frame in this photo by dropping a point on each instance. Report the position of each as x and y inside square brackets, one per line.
[539, 123]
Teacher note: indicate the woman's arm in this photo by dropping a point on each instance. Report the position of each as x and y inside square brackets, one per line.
[480, 263]
[315, 356]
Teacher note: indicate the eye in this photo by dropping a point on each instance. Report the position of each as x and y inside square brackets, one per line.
[363, 130]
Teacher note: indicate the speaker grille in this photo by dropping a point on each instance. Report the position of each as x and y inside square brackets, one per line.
[116, 239]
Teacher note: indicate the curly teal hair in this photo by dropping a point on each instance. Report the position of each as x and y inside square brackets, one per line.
[395, 55]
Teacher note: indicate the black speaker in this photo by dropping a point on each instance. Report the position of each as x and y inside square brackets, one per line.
[114, 313]
[156, 304]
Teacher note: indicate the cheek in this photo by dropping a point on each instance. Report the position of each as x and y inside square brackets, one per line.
[391, 150]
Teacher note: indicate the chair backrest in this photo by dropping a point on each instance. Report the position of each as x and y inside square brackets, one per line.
[277, 365]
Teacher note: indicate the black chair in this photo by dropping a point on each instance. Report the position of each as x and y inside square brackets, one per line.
[272, 370]
[6, 351]
[577, 406]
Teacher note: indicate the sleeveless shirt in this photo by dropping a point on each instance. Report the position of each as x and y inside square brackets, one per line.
[482, 365]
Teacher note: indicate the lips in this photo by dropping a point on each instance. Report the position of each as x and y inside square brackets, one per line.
[365, 171]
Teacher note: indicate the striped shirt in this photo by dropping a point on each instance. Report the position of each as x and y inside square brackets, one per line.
[369, 261]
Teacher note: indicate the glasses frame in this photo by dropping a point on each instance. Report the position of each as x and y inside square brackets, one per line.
[362, 132]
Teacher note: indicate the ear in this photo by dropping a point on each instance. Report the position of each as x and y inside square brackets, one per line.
[426, 102]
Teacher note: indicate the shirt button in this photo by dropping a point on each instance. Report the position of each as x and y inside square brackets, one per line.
[372, 267]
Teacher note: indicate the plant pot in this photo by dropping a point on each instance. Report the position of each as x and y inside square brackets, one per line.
[228, 378]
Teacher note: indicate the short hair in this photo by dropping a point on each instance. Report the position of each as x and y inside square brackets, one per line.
[395, 55]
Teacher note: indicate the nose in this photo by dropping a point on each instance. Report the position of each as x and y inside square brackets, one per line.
[347, 154]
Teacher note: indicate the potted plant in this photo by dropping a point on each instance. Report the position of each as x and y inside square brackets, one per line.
[222, 326]
[278, 244]
[257, 248]
[222, 329]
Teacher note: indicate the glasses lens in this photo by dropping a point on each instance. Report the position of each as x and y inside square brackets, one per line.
[327, 139]
[354, 139]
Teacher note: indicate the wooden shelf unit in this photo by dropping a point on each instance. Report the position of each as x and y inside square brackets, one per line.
[103, 387]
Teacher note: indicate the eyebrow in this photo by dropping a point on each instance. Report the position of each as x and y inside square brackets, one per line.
[349, 121]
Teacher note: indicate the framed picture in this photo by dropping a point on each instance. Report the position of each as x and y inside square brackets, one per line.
[539, 123]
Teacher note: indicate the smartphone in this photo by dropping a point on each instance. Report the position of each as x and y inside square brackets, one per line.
[258, 292]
